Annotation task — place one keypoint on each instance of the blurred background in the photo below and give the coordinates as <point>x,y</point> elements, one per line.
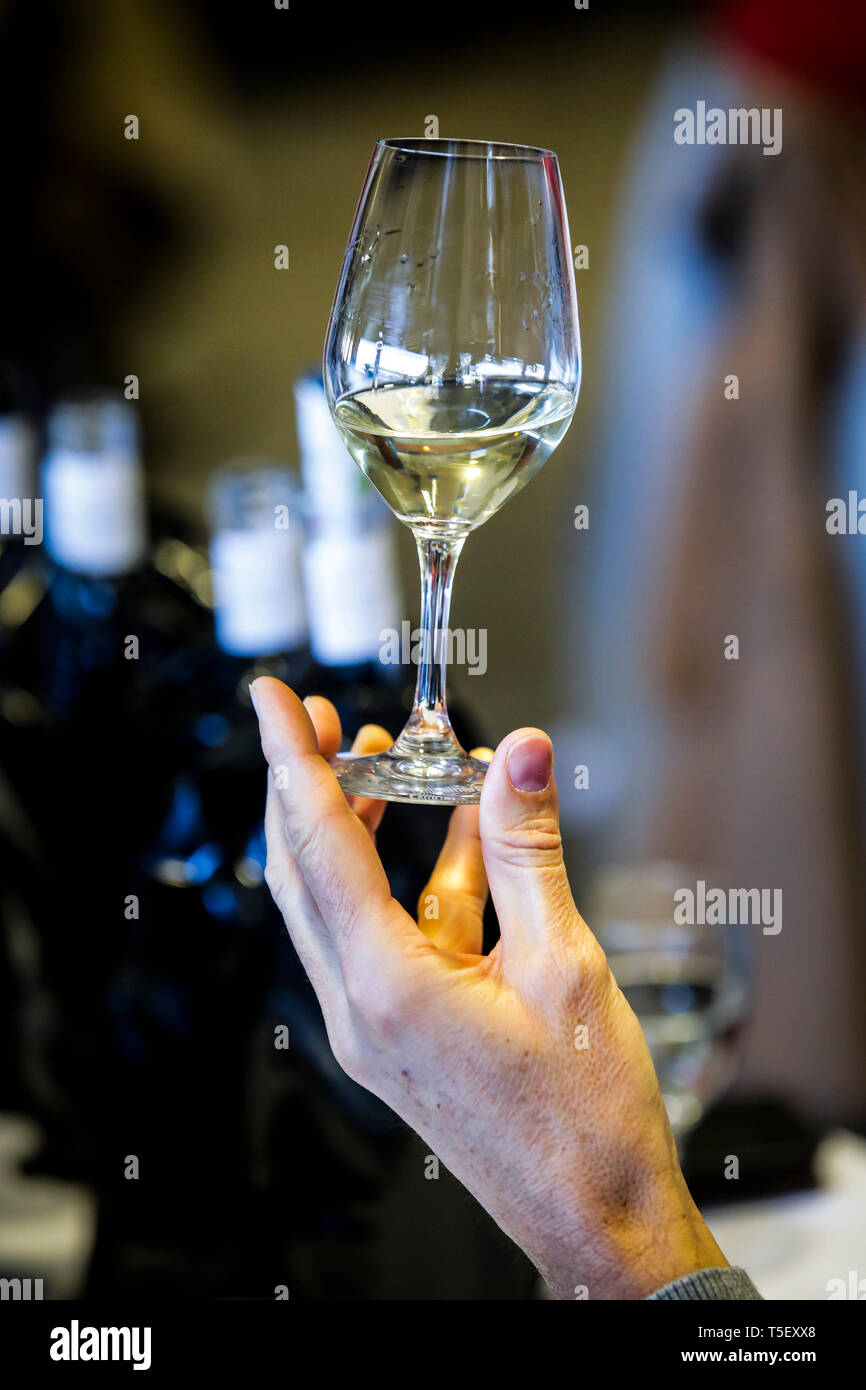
<point>171,1119</point>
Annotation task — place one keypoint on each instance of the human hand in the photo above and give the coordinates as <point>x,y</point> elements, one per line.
<point>525,1070</point>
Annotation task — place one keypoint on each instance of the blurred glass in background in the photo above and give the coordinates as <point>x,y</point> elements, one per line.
<point>687,982</point>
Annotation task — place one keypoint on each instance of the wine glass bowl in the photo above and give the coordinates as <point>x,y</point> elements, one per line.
<point>452,369</point>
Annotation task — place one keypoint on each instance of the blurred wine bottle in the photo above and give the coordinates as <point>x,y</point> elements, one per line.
<point>115,613</point>
<point>86,638</point>
<point>92,621</point>
<point>201,707</point>
<point>201,873</point>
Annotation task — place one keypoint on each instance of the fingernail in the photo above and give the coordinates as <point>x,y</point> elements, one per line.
<point>253,697</point>
<point>529,763</point>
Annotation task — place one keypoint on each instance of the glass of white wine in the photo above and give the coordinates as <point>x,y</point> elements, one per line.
<point>452,369</point>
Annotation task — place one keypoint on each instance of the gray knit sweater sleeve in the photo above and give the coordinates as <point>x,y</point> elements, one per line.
<point>722,1282</point>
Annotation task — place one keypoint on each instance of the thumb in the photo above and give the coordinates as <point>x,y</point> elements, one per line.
<point>521,843</point>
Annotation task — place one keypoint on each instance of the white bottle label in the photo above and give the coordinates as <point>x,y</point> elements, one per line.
<point>353,594</point>
<point>95,511</point>
<point>258,591</point>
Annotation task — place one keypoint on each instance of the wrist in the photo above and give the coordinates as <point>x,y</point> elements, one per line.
<point>675,1242</point>
<point>634,1254</point>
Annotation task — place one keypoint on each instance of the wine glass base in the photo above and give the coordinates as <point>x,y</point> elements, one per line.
<point>453,780</point>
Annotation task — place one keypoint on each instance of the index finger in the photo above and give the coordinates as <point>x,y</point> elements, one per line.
<point>330,845</point>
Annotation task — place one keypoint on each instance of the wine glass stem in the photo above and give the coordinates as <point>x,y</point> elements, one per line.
<point>428,730</point>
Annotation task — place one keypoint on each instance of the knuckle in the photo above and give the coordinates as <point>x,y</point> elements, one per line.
<point>574,976</point>
<point>301,834</point>
<point>307,835</point>
<point>590,960</point>
<point>275,877</point>
<point>535,842</point>
<point>349,1054</point>
<point>375,1010</point>
<point>272,750</point>
<point>598,982</point>
<point>375,1002</point>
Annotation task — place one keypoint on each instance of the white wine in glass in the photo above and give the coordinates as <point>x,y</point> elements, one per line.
<point>452,368</point>
<point>453,454</point>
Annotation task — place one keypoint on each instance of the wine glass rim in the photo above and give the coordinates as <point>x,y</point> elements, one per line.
<point>466,149</point>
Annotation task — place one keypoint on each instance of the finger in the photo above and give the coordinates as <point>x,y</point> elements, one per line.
<point>484,755</point>
<point>451,908</point>
<point>326,722</point>
<point>519,824</point>
<point>303,920</point>
<point>372,738</point>
<point>325,838</point>
<point>305,927</point>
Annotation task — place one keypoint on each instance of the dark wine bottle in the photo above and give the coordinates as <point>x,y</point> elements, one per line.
<point>84,643</point>
<point>201,708</point>
<point>82,663</point>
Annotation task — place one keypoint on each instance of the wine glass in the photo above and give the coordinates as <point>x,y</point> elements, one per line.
<point>688,984</point>
<point>452,370</point>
